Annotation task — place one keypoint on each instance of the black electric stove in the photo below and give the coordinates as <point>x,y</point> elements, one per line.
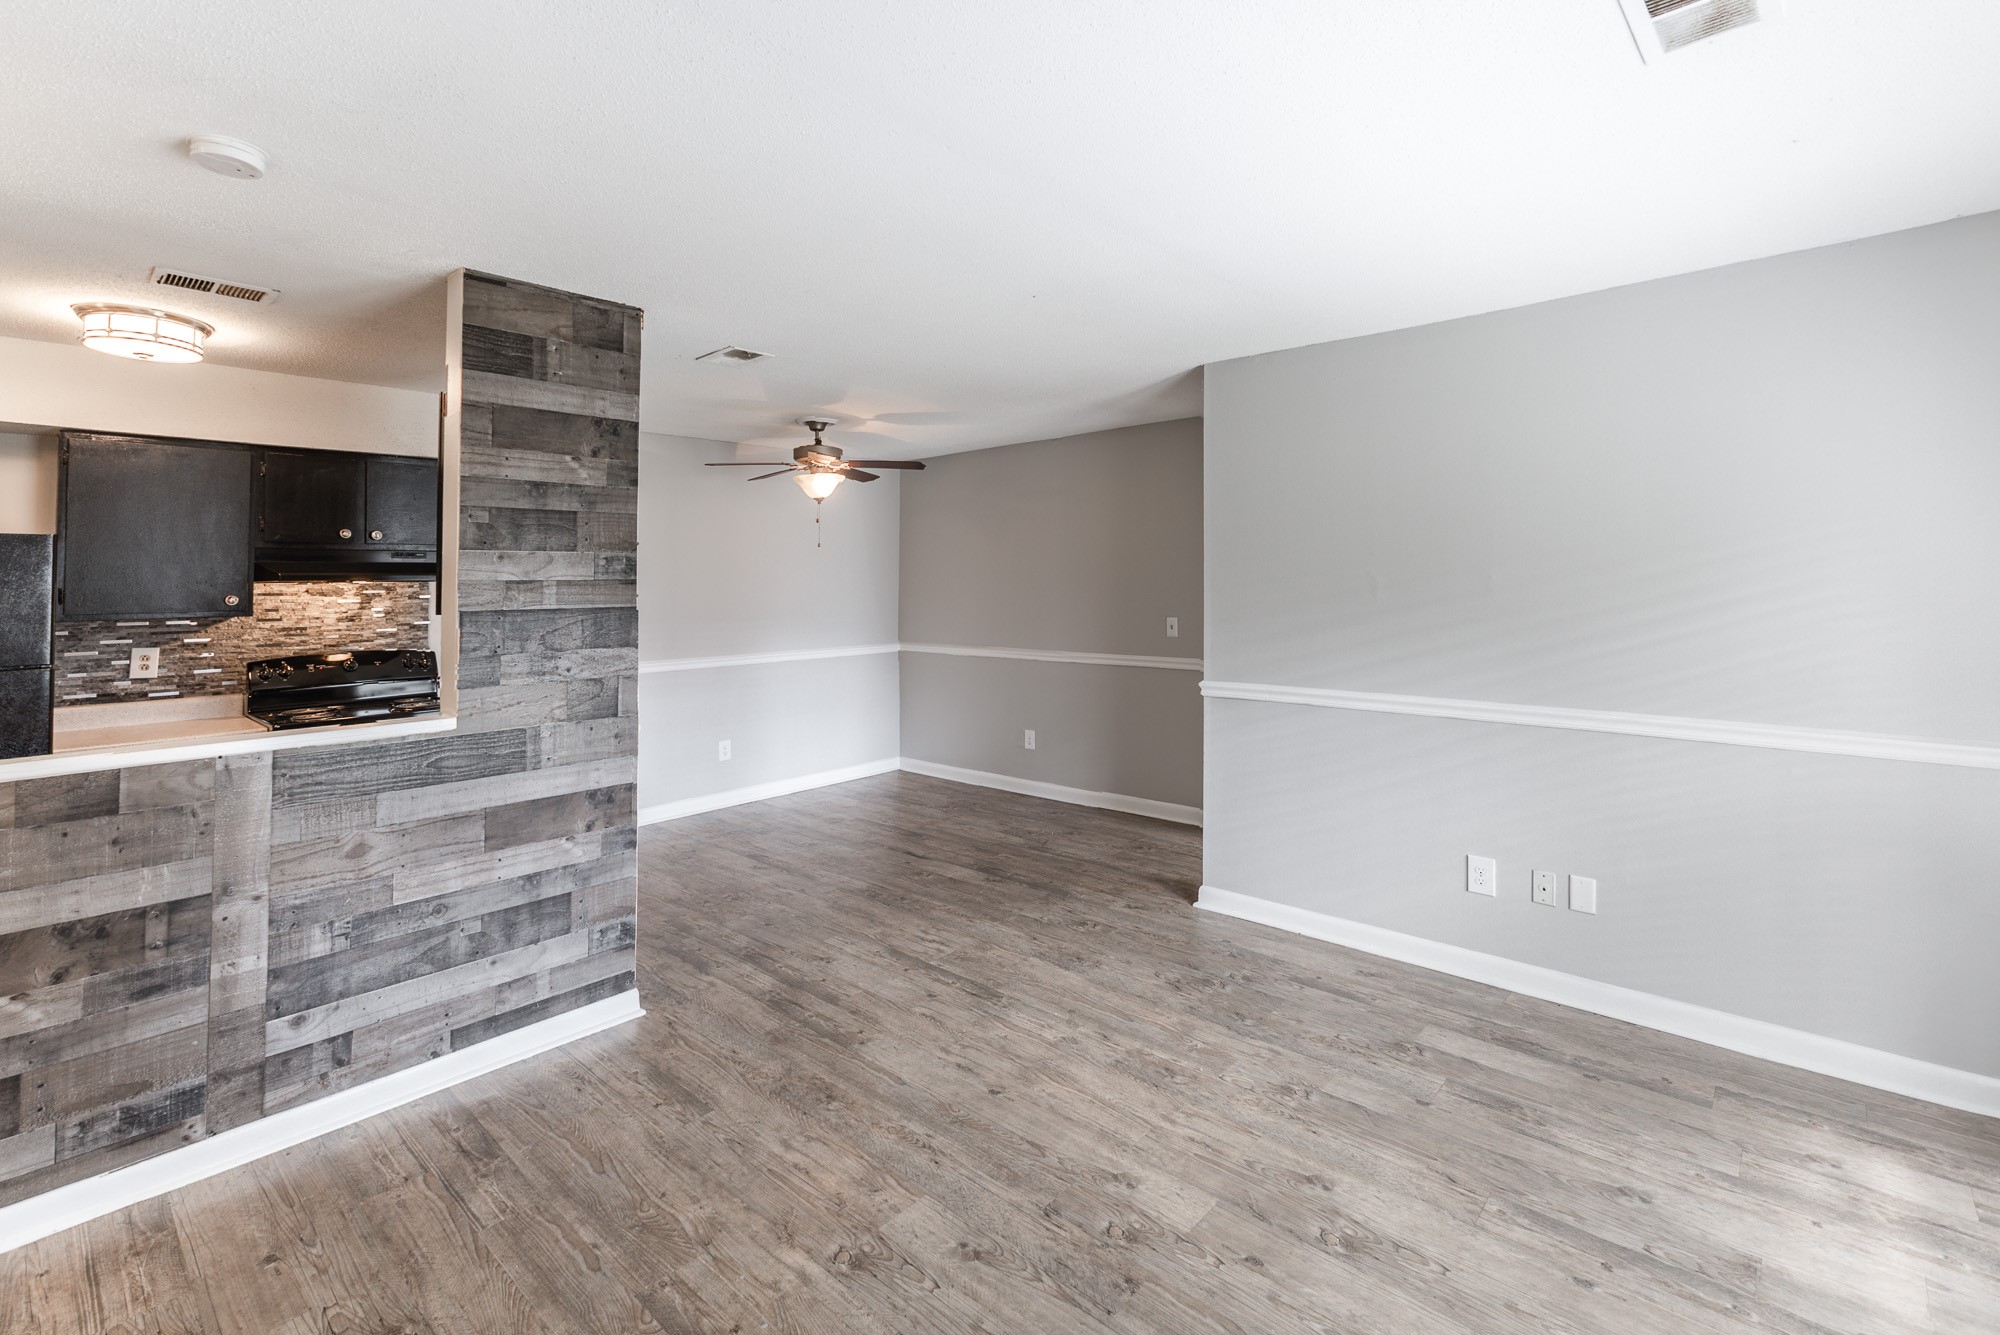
<point>352,686</point>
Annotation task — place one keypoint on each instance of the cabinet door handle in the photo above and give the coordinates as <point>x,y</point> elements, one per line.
<point>347,533</point>
<point>230,600</point>
<point>375,535</point>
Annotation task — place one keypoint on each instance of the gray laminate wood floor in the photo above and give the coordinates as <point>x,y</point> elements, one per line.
<point>923,1057</point>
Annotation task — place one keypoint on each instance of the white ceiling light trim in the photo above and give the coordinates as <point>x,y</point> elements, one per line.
<point>141,332</point>
<point>228,157</point>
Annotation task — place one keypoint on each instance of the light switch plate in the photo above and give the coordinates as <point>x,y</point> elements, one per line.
<point>1545,888</point>
<point>145,664</point>
<point>1173,628</point>
<point>1583,893</point>
<point>1482,875</point>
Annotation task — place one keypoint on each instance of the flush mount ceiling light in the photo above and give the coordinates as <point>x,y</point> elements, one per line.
<point>732,353</point>
<point>141,332</point>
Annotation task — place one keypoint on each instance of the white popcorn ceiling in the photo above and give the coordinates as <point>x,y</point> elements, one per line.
<point>954,224</point>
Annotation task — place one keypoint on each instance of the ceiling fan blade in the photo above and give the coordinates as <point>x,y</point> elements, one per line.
<point>746,463</point>
<point>860,476</point>
<point>780,473</point>
<point>888,463</point>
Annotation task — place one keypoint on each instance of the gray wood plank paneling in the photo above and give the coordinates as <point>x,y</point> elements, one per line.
<point>370,967</point>
<point>349,1013</point>
<point>512,392</point>
<point>89,896</point>
<point>238,964</point>
<point>184,948</point>
<point>309,776</point>
<point>66,797</point>
<point>491,634</point>
<point>500,790</point>
<point>584,501</point>
<point>494,528</point>
<point>537,703</point>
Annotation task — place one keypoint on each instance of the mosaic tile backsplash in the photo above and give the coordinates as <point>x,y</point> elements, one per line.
<point>93,658</point>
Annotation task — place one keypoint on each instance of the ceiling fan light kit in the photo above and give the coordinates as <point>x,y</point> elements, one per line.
<point>820,468</point>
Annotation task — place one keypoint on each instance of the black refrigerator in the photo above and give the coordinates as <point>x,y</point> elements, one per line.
<point>27,682</point>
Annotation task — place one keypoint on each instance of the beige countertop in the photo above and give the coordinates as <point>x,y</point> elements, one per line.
<point>157,732</point>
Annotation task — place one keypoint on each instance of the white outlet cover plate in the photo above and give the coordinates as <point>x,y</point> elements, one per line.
<point>1028,739</point>
<point>1482,875</point>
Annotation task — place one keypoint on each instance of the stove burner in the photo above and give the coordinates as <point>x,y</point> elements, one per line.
<point>345,686</point>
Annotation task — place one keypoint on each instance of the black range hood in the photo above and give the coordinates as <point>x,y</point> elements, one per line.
<point>383,563</point>
<point>329,514</point>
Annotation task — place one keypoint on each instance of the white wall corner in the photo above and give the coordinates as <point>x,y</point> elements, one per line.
<point>1965,1090</point>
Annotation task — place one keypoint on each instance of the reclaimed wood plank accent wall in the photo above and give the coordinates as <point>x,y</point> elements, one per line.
<point>185,948</point>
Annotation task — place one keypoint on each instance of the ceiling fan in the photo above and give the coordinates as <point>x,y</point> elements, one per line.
<point>818,468</point>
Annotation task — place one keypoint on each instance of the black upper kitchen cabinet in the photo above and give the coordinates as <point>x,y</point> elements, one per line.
<point>327,514</point>
<point>310,499</point>
<point>402,502</point>
<point>153,528</point>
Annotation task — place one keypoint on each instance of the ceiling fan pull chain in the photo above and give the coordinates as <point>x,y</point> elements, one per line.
<point>818,539</point>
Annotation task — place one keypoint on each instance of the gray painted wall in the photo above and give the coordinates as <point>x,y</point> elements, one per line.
<point>728,567</point>
<point>1758,493</point>
<point>1132,731</point>
<point>1085,544</point>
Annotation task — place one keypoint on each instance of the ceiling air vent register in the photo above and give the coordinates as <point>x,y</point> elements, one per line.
<point>1662,27</point>
<point>190,282</point>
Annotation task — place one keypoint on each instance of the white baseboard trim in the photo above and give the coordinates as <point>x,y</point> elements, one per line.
<point>1056,792</point>
<point>1834,1057</point>
<point>79,1202</point>
<point>757,792</point>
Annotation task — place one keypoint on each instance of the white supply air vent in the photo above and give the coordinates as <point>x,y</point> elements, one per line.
<point>1661,27</point>
<point>732,354</point>
<point>190,282</point>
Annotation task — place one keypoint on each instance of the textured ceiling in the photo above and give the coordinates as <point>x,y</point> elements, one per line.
<point>953,224</point>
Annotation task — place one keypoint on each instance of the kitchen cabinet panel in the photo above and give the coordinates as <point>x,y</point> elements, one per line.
<point>153,528</point>
<point>402,502</point>
<point>311,499</point>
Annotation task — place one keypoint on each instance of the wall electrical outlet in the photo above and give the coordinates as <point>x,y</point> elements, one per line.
<point>1173,628</point>
<point>1545,888</point>
<point>722,750</point>
<point>1028,739</point>
<point>1482,875</point>
<point>145,663</point>
<point>1583,893</point>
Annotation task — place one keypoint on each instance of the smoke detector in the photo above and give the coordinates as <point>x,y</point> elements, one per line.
<point>161,276</point>
<point>227,157</point>
<point>1662,27</point>
<point>732,354</point>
